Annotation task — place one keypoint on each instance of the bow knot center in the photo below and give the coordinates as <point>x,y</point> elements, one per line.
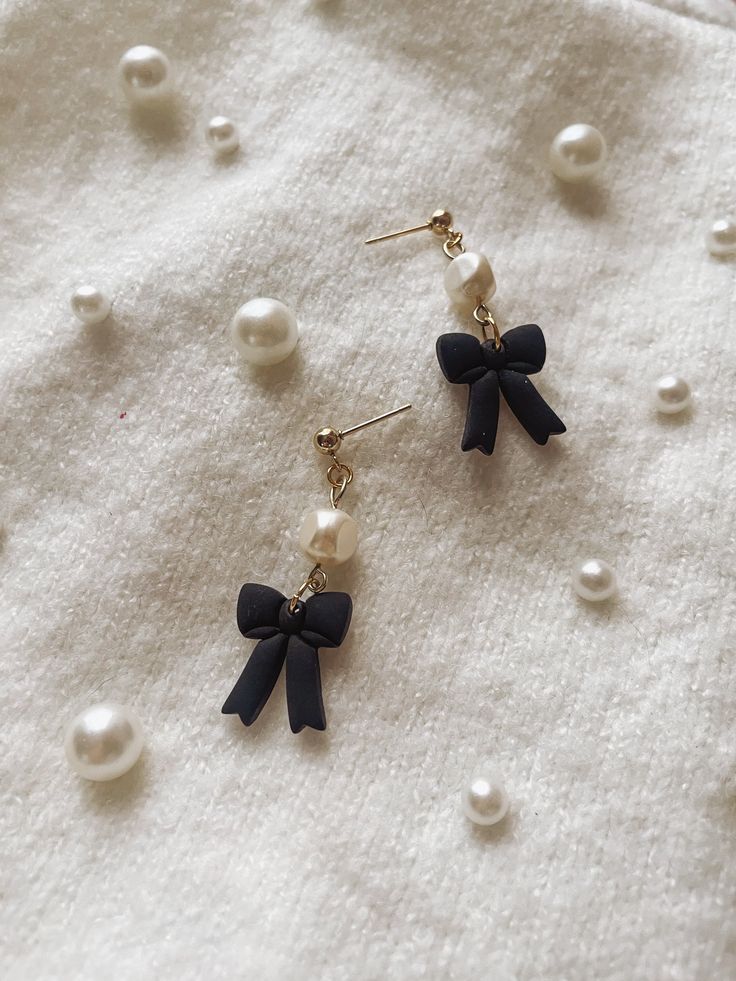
<point>493,359</point>
<point>292,623</point>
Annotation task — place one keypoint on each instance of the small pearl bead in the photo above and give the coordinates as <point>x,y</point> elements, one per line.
<point>484,800</point>
<point>577,153</point>
<point>328,536</point>
<point>103,742</point>
<point>594,580</point>
<point>90,305</point>
<point>721,239</point>
<point>672,394</point>
<point>222,135</point>
<point>145,73</point>
<point>469,279</point>
<point>264,331</point>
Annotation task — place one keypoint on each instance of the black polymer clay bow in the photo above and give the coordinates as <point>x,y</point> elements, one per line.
<point>464,360</point>
<point>263,613</point>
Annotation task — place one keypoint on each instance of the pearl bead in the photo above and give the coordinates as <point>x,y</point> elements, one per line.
<point>264,331</point>
<point>222,135</point>
<point>145,73</point>
<point>90,305</point>
<point>577,153</point>
<point>469,279</point>
<point>721,239</point>
<point>594,580</point>
<point>671,394</point>
<point>484,800</point>
<point>328,536</point>
<point>103,742</point>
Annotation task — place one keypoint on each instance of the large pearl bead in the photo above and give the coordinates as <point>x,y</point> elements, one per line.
<point>145,73</point>
<point>721,239</point>
<point>222,135</point>
<point>469,279</point>
<point>577,153</point>
<point>328,537</point>
<point>104,741</point>
<point>594,580</point>
<point>672,394</point>
<point>264,331</point>
<point>484,800</point>
<point>90,305</point>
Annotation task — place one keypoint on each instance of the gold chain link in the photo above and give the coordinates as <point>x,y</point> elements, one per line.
<point>339,475</point>
<point>453,241</point>
<point>483,316</point>
<point>315,581</point>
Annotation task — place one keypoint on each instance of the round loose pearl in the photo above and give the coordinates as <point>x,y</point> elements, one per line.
<point>222,135</point>
<point>145,73</point>
<point>671,394</point>
<point>469,279</point>
<point>594,580</point>
<point>328,536</point>
<point>264,331</point>
<point>484,800</point>
<point>103,742</point>
<point>577,153</point>
<point>721,238</point>
<point>90,305</point>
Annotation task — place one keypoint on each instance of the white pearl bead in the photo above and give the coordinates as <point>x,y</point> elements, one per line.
<point>145,73</point>
<point>594,580</point>
<point>328,536</point>
<point>222,135</point>
<point>672,394</point>
<point>484,800</point>
<point>104,741</point>
<point>264,331</point>
<point>469,279</point>
<point>721,239</point>
<point>577,153</point>
<point>90,305</point>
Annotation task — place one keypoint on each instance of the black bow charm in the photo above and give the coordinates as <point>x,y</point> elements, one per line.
<point>263,613</point>
<point>464,360</point>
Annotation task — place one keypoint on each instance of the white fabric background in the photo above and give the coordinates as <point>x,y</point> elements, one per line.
<point>254,853</point>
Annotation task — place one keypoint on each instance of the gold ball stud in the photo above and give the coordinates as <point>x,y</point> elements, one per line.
<point>441,222</point>
<point>327,440</point>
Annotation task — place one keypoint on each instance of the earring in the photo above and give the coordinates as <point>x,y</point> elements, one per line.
<point>502,363</point>
<point>292,630</point>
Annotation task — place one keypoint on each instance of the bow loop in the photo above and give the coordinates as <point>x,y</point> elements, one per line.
<point>327,618</point>
<point>461,358</point>
<point>258,610</point>
<point>525,349</point>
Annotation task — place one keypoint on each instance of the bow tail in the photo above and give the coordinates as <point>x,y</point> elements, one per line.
<point>303,686</point>
<point>255,684</point>
<point>481,422</point>
<point>529,407</point>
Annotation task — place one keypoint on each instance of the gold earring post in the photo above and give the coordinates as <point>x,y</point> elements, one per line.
<point>329,439</point>
<point>404,231</point>
<point>440,223</point>
<point>372,422</point>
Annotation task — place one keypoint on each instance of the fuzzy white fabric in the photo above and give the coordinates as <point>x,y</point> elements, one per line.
<point>147,474</point>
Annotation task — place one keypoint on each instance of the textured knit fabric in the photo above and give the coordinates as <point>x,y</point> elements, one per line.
<point>147,473</point>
